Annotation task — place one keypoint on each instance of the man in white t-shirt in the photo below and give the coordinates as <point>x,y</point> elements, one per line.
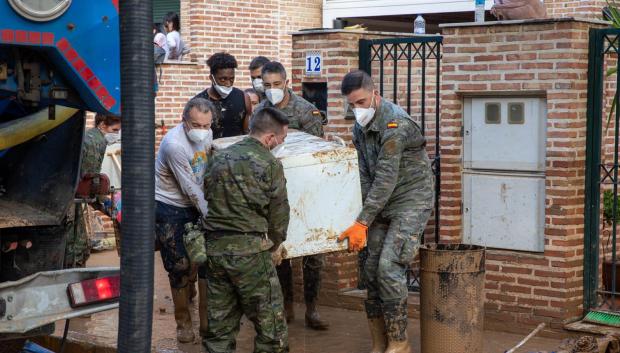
<point>179,174</point>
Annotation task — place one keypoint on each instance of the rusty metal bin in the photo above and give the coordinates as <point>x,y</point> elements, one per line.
<point>451,299</point>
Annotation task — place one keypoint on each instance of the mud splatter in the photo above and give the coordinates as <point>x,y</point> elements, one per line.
<point>452,278</point>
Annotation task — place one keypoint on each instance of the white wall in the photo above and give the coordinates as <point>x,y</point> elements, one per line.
<point>333,9</point>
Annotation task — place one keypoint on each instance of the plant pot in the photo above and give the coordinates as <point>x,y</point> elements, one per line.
<point>607,275</point>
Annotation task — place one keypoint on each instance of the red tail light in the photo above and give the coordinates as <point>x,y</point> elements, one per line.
<point>94,291</point>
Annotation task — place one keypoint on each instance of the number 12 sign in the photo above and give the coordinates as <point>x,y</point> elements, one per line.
<point>314,62</point>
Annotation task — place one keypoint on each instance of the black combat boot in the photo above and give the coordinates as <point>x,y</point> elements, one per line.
<point>313,319</point>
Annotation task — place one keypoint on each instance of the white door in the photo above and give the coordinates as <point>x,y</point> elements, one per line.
<point>504,211</point>
<point>505,134</point>
<point>503,172</point>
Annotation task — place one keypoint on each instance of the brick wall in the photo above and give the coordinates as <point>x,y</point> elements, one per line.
<point>550,58</point>
<point>575,8</point>
<point>245,29</point>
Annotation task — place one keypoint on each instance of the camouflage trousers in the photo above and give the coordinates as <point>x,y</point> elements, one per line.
<point>169,230</point>
<point>392,245</point>
<point>244,285</point>
<point>312,266</point>
<point>77,250</point>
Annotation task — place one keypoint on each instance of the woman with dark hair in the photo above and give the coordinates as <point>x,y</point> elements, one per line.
<point>176,46</point>
<point>232,106</point>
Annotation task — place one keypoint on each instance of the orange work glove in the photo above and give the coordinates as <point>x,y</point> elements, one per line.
<point>357,234</point>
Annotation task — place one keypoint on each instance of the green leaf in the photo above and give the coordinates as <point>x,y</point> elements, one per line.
<point>615,14</point>
<point>608,207</point>
<point>612,110</point>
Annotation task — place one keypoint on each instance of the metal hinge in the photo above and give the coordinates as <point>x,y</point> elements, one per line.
<point>2,307</point>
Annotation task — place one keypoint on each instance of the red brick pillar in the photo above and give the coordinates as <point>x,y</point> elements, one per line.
<point>548,59</point>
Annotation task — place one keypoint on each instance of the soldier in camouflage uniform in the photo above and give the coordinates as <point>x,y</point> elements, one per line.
<point>303,116</point>
<point>93,150</point>
<point>246,224</point>
<point>397,193</point>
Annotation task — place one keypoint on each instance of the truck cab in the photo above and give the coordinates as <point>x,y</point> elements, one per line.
<point>58,60</point>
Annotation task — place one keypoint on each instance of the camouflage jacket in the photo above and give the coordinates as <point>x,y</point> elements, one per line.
<point>248,203</point>
<point>302,115</point>
<point>93,151</point>
<point>395,171</point>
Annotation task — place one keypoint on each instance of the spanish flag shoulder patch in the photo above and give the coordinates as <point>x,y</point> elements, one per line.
<point>392,124</point>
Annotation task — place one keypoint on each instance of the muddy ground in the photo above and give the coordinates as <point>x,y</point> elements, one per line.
<point>348,334</point>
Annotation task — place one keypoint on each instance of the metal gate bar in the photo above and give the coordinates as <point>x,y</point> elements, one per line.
<point>602,42</point>
<point>615,204</point>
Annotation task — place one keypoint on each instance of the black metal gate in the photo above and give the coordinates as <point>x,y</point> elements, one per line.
<point>405,69</point>
<point>601,277</point>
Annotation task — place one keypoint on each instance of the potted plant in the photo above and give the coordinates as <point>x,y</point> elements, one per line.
<point>608,216</point>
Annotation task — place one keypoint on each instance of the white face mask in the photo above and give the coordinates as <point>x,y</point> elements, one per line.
<point>257,83</point>
<point>364,115</point>
<point>112,137</point>
<point>201,136</point>
<point>275,95</point>
<point>278,150</point>
<point>223,91</point>
<point>209,139</point>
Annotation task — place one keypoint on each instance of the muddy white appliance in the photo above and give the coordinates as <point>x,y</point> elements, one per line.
<point>324,191</point>
<point>504,172</point>
<point>111,164</point>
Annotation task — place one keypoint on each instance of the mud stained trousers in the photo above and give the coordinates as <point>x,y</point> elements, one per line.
<point>169,229</point>
<point>312,266</point>
<point>392,245</point>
